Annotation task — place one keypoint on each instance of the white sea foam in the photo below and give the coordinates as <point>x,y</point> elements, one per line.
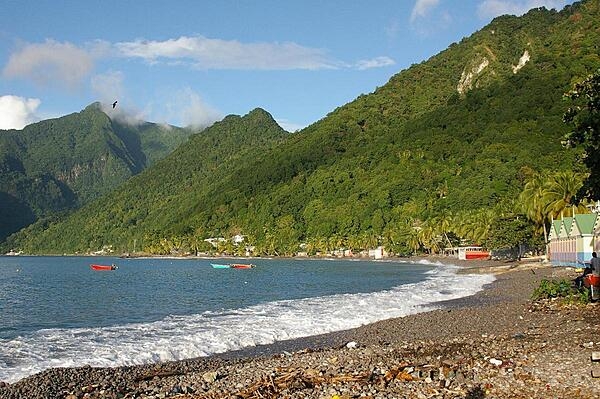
<point>183,337</point>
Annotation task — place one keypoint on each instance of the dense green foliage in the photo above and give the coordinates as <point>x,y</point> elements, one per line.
<point>60,164</point>
<point>435,157</point>
<point>585,118</point>
<point>564,289</point>
<point>143,207</point>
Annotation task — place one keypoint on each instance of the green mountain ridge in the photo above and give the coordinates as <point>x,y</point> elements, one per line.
<point>457,135</point>
<point>59,164</point>
<point>144,202</point>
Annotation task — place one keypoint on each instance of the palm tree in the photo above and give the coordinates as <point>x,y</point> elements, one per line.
<point>548,196</point>
<point>475,225</point>
<point>560,193</point>
<point>429,237</point>
<point>412,239</point>
<point>532,202</point>
<point>442,224</point>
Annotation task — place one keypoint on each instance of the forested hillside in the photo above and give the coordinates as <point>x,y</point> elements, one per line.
<point>59,164</point>
<point>438,154</point>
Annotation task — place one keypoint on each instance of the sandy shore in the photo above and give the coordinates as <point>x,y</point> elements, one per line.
<point>495,344</point>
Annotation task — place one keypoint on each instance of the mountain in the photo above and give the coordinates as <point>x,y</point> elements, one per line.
<point>457,135</point>
<point>145,202</point>
<point>59,164</point>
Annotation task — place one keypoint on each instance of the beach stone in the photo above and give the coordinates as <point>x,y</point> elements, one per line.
<point>496,362</point>
<point>595,356</point>
<point>210,376</point>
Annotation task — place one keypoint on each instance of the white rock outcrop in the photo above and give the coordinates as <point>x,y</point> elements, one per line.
<point>522,61</point>
<point>468,76</point>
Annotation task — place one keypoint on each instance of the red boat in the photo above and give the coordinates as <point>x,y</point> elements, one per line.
<point>103,267</point>
<point>471,253</point>
<point>241,266</point>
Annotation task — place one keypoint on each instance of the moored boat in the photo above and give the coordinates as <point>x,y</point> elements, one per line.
<point>103,267</point>
<point>472,253</point>
<point>219,266</point>
<point>242,265</point>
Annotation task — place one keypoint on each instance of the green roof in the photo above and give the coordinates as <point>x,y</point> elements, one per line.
<point>568,223</point>
<point>555,228</point>
<point>585,223</point>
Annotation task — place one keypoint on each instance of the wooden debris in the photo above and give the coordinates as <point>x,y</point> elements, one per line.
<point>160,374</point>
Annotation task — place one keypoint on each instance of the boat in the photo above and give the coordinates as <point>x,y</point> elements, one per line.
<point>103,267</point>
<point>220,266</point>
<point>242,265</point>
<point>472,253</point>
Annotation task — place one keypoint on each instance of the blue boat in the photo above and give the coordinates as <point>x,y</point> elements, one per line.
<point>220,266</point>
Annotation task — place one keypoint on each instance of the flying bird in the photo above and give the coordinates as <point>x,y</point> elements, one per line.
<point>115,104</point>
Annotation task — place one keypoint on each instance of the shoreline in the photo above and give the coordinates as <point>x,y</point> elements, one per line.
<point>489,293</point>
<point>465,331</point>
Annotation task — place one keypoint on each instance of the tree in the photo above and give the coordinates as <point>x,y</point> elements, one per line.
<point>560,191</point>
<point>532,203</point>
<point>584,116</point>
<point>510,232</point>
<point>550,195</point>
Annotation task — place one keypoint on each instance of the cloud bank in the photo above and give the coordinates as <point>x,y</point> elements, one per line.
<point>17,112</point>
<point>186,108</point>
<point>205,53</point>
<point>50,63</point>
<point>377,62</point>
<point>492,8</point>
<point>108,86</point>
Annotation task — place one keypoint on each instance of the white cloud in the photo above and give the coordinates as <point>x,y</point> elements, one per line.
<point>184,108</point>
<point>108,86</point>
<point>50,63</point>
<point>492,8</point>
<point>197,113</point>
<point>17,112</point>
<point>377,62</point>
<point>208,53</point>
<point>422,8</point>
<point>289,126</point>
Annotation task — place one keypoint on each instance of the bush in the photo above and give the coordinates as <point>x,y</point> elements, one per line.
<point>563,288</point>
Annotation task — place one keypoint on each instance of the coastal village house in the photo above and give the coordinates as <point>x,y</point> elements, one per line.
<point>573,239</point>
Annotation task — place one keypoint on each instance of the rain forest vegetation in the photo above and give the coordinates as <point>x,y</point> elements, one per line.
<point>57,165</point>
<point>438,156</point>
<point>584,117</point>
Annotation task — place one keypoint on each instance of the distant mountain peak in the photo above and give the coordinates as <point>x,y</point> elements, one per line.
<point>260,115</point>
<point>96,105</point>
<point>259,112</point>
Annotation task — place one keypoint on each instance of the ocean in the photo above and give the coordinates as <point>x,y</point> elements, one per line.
<point>57,312</point>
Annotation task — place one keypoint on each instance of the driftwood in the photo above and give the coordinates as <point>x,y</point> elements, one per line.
<point>286,381</point>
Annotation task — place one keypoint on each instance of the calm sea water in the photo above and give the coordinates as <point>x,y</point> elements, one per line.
<point>56,312</point>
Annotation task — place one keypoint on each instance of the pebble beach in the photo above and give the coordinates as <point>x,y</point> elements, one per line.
<point>495,344</point>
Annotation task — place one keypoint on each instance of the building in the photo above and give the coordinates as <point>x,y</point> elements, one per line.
<point>573,239</point>
<point>378,253</point>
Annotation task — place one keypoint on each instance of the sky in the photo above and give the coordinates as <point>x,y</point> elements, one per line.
<point>192,62</point>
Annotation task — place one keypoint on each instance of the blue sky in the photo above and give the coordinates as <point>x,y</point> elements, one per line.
<point>192,62</point>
